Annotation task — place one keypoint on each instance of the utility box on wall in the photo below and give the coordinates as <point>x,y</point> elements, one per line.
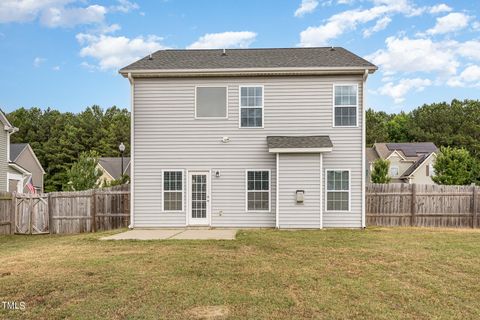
<point>300,196</point>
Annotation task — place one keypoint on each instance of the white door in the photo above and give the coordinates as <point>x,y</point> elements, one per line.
<point>199,198</point>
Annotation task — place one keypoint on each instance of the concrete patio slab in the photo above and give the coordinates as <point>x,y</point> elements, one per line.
<point>180,234</point>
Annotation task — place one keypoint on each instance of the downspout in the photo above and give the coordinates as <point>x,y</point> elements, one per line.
<point>277,196</point>
<point>365,76</point>
<point>132,153</point>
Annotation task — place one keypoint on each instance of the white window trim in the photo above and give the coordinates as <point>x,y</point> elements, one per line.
<point>269,191</point>
<point>183,190</point>
<point>339,84</point>
<point>349,190</point>
<point>226,102</point>
<point>240,105</point>
<point>16,177</point>
<point>390,171</point>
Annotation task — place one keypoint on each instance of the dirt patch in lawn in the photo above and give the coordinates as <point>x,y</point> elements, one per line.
<point>209,312</point>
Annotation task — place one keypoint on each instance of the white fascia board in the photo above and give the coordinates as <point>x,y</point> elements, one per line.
<point>299,150</point>
<point>245,71</point>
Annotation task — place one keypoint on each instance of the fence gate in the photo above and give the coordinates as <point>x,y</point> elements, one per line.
<point>31,214</point>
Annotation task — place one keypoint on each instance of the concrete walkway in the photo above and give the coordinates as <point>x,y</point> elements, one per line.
<point>184,234</point>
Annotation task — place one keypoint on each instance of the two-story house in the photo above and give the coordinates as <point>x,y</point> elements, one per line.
<point>410,162</point>
<point>248,138</point>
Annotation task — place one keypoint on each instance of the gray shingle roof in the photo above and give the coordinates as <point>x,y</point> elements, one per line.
<point>16,149</point>
<point>250,58</point>
<point>296,142</point>
<point>114,166</point>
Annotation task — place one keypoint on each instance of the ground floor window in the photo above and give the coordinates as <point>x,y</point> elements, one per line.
<point>172,190</point>
<point>338,190</point>
<point>258,190</point>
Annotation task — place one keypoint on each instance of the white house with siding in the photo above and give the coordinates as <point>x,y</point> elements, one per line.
<point>248,138</point>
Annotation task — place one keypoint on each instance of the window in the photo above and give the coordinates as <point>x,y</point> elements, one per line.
<point>338,190</point>
<point>430,170</point>
<point>251,107</point>
<point>345,105</point>
<point>173,190</point>
<point>393,171</point>
<point>211,102</point>
<point>258,190</point>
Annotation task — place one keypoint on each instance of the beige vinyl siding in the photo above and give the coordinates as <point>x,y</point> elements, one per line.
<point>27,161</point>
<point>168,137</point>
<point>3,160</point>
<point>299,172</point>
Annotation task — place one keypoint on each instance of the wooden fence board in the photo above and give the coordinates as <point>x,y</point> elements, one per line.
<point>422,205</point>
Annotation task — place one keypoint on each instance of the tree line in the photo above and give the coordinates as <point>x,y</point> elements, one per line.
<point>59,138</point>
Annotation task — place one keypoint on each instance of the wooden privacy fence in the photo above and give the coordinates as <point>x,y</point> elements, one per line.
<point>90,211</point>
<point>65,212</point>
<point>422,205</point>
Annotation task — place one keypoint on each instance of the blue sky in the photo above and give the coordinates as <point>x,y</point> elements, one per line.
<point>65,54</point>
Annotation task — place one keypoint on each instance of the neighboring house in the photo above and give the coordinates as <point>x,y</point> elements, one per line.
<point>248,138</point>
<point>22,155</point>
<point>409,162</point>
<point>111,168</point>
<point>17,162</point>
<point>5,169</point>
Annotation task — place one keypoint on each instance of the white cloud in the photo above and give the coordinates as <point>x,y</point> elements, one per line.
<point>229,39</point>
<point>38,61</point>
<point>56,68</point>
<point>452,22</point>
<point>399,91</point>
<point>124,6</point>
<point>52,13</point>
<point>470,76</point>
<point>63,17</point>
<point>379,26</point>
<point>344,21</point>
<point>115,52</point>
<point>415,55</point>
<point>468,49</point>
<point>307,6</point>
<point>440,8</point>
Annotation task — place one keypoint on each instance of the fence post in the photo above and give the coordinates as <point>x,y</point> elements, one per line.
<point>414,205</point>
<point>50,218</point>
<point>94,211</point>
<point>13,215</point>
<point>474,206</point>
<point>30,208</point>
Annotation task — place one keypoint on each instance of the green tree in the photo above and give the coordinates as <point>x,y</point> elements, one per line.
<point>397,128</point>
<point>380,171</point>
<point>83,174</point>
<point>455,166</point>
<point>376,122</point>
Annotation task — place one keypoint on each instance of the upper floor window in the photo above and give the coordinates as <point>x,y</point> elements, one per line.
<point>211,102</point>
<point>393,171</point>
<point>251,107</point>
<point>345,105</point>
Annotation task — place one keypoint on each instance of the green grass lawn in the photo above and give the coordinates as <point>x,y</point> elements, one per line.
<point>400,273</point>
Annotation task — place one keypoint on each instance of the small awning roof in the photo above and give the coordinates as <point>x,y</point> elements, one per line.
<point>299,144</point>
